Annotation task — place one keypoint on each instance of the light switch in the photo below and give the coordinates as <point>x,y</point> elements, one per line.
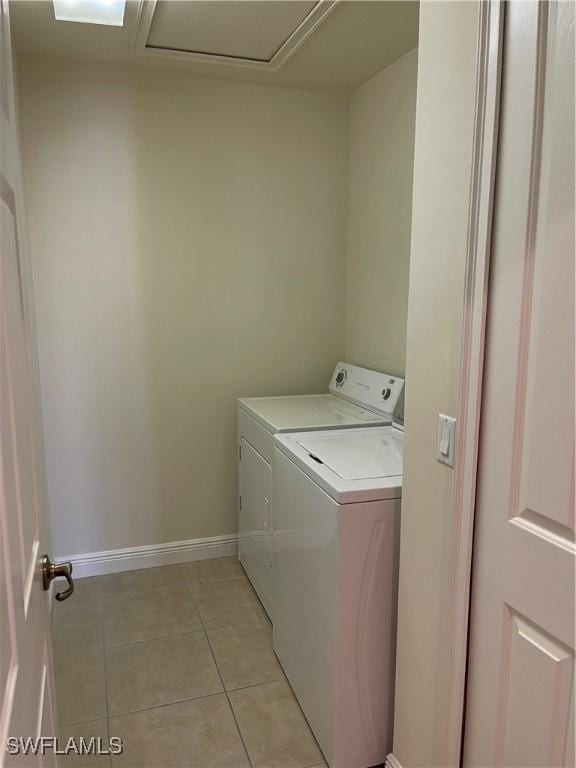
<point>446,439</point>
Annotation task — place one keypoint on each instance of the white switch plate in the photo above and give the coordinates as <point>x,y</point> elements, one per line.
<point>445,440</point>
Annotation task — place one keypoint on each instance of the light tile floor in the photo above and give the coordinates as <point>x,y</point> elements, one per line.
<point>178,662</point>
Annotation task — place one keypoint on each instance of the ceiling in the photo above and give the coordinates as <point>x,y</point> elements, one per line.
<point>248,30</point>
<point>290,43</point>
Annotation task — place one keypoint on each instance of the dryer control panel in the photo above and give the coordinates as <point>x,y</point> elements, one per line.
<point>377,391</point>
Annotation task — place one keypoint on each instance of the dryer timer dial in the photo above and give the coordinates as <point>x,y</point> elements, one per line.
<point>341,377</point>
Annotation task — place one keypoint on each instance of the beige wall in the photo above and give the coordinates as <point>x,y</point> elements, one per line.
<point>382,118</point>
<point>188,244</point>
<point>442,164</point>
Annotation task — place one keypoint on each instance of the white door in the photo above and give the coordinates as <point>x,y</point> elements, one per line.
<point>255,535</point>
<point>26,693</point>
<point>520,697</point>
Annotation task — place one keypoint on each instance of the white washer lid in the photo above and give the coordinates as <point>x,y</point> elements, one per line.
<point>361,464</point>
<point>358,455</point>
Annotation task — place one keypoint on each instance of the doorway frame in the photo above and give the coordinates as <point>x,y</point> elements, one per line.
<point>451,685</point>
<point>474,320</point>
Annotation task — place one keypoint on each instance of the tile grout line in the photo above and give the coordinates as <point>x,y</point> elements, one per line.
<point>240,734</point>
<point>162,706</point>
<point>283,679</point>
<point>257,685</point>
<point>173,634</point>
<point>105,679</point>
<point>102,650</point>
<point>102,600</point>
<point>182,701</point>
<point>201,628</point>
<point>153,638</point>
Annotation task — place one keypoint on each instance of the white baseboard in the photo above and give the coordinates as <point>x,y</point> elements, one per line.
<point>392,761</point>
<point>170,553</point>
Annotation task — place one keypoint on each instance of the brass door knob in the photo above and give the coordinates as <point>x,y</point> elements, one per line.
<point>51,571</point>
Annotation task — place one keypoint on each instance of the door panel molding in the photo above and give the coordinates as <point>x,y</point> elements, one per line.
<point>555,662</point>
<point>549,530</point>
<point>541,320</point>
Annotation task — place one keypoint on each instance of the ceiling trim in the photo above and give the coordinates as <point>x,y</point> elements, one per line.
<point>145,16</point>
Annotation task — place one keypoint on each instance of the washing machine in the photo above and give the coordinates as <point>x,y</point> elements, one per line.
<point>356,397</point>
<point>337,500</point>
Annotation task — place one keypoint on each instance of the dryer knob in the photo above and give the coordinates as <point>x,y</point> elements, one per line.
<point>386,393</point>
<point>340,378</point>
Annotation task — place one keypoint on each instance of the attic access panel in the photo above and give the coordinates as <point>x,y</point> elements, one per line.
<point>255,33</point>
